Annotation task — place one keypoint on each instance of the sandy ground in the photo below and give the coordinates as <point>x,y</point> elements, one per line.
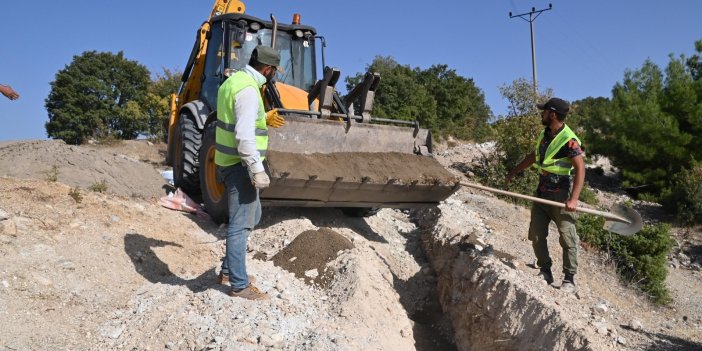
<point>116,271</point>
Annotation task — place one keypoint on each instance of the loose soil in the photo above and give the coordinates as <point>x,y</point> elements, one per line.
<point>309,253</point>
<point>363,166</point>
<point>116,271</point>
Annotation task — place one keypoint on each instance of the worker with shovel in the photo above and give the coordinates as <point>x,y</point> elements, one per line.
<point>557,153</point>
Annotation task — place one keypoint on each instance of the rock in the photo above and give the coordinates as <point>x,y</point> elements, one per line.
<point>621,340</point>
<point>600,327</point>
<point>312,273</point>
<point>8,228</point>
<point>3,215</point>
<point>635,325</point>
<point>43,281</point>
<point>112,332</point>
<point>266,341</point>
<point>600,308</point>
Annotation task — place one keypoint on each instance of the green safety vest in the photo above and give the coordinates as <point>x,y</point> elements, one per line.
<point>226,152</point>
<point>561,166</point>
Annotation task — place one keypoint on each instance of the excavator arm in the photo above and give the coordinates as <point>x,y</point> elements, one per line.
<point>222,7</point>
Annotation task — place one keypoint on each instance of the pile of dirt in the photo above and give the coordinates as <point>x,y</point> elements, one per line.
<point>308,255</point>
<point>117,169</point>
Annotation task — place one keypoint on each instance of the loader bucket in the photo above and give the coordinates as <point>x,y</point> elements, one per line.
<point>328,163</point>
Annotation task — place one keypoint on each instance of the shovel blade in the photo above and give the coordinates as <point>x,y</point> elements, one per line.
<point>635,222</point>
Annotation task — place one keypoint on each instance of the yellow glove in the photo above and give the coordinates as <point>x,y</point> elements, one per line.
<point>273,119</point>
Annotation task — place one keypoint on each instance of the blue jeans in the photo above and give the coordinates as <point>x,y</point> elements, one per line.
<point>244,214</point>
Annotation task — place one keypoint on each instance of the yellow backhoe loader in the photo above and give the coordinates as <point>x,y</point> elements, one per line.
<point>326,155</point>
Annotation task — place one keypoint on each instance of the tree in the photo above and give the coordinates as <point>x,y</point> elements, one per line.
<point>695,62</point>
<point>589,117</point>
<point>460,105</point>
<point>157,103</point>
<point>99,94</point>
<point>515,136</point>
<point>399,95</point>
<point>644,137</point>
<point>438,98</point>
<point>517,133</point>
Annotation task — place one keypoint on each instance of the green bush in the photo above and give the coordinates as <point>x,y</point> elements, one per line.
<point>52,174</point>
<point>75,194</point>
<point>588,196</point>
<point>99,187</point>
<point>640,259</point>
<point>684,198</point>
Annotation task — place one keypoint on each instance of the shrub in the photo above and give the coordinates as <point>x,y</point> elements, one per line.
<point>99,187</point>
<point>588,196</point>
<point>52,174</point>
<point>75,194</point>
<point>640,258</point>
<point>684,198</point>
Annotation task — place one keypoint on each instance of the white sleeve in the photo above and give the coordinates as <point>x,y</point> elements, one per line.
<point>246,107</point>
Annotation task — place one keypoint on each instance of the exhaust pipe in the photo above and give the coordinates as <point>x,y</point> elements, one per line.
<point>275,30</point>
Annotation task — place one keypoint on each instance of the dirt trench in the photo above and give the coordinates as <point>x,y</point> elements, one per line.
<point>484,294</point>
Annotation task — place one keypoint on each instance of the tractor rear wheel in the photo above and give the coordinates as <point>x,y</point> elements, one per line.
<point>185,157</point>
<point>214,193</point>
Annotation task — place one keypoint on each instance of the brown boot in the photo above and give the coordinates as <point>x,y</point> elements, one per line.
<point>250,292</point>
<point>223,279</point>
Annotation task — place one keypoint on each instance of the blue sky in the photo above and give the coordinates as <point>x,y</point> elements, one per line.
<point>582,47</point>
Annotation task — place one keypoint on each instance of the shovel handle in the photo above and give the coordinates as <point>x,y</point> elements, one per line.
<point>547,202</point>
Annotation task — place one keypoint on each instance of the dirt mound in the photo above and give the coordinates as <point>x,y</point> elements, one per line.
<point>308,255</point>
<point>122,173</point>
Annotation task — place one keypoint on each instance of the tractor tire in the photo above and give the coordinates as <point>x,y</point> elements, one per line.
<point>359,211</point>
<point>185,158</point>
<point>214,193</point>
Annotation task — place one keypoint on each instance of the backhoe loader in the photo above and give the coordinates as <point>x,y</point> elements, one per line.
<point>326,154</point>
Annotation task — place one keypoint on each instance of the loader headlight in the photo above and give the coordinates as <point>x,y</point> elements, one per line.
<point>298,34</point>
<point>255,26</point>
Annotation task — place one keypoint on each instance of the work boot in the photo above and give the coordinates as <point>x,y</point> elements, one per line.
<point>223,279</point>
<point>568,284</point>
<point>250,292</point>
<point>547,275</point>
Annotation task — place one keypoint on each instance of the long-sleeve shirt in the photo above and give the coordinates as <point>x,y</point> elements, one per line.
<point>246,108</point>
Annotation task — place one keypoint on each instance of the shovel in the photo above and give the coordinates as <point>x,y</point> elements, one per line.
<point>626,221</point>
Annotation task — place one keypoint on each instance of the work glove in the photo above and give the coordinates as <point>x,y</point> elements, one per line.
<point>273,119</point>
<point>260,180</point>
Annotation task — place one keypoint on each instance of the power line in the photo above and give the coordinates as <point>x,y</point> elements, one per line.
<point>533,14</point>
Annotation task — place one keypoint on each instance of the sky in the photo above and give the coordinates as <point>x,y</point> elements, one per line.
<point>583,47</point>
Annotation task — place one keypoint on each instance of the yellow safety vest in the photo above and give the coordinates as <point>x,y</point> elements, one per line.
<point>561,166</point>
<point>226,152</point>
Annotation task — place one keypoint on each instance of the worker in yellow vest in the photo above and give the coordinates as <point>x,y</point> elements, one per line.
<point>557,153</point>
<point>241,145</point>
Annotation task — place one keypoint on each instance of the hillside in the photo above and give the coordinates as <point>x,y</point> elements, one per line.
<point>114,270</point>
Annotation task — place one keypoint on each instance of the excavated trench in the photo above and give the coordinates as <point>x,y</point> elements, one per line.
<point>482,293</point>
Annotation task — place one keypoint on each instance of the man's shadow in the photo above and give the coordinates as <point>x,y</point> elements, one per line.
<point>140,250</point>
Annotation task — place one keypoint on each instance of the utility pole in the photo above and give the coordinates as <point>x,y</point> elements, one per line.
<point>533,14</point>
